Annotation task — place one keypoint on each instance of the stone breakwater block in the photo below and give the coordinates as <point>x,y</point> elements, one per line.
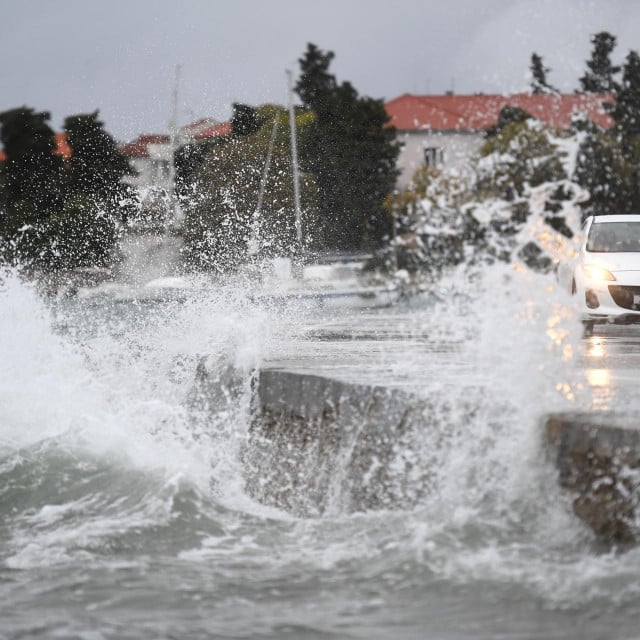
<point>319,445</point>
<point>598,458</point>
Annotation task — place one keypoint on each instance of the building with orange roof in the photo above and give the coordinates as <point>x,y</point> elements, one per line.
<point>217,130</point>
<point>139,148</point>
<point>150,155</point>
<point>446,130</point>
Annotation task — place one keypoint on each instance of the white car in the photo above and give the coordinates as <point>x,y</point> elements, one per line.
<point>606,273</point>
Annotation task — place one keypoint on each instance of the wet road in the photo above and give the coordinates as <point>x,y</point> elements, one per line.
<point>611,362</point>
<point>407,349</point>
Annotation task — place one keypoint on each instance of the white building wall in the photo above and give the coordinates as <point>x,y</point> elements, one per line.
<point>456,150</point>
<point>152,171</point>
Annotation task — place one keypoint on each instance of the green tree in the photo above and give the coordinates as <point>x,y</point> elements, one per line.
<point>57,216</point>
<point>96,166</point>
<point>22,235</point>
<point>221,220</point>
<point>32,173</point>
<point>84,231</point>
<point>351,151</point>
<point>32,181</point>
<point>315,85</point>
<point>600,75</point>
<point>81,234</point>
<point>506,116</point>
<point>245,120</point>
<point>607,173</point>
<point>539,73</point>
<point>626,110</point>
<point>609,161</point>
<point>521,155</point>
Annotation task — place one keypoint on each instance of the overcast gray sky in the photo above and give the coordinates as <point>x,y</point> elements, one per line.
<point>119,56</point>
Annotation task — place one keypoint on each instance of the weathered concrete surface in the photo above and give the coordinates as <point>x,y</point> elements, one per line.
<point>598,458</point>
<point>318,445</point>
<point>326,436</point>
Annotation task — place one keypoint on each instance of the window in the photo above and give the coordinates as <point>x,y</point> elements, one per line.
<point>614,237</point>
<point>433,156</point>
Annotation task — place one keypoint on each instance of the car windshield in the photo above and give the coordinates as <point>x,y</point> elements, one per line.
<point>614,237</point>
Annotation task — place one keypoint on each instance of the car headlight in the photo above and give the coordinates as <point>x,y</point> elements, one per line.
<point>595,272</point>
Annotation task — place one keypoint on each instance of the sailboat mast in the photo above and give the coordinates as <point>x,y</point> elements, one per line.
<point>173,143</point>
<point>294,163</point>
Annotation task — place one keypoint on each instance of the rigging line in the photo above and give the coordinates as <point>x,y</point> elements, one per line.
<point>255,223</point>
<point>265,171</point>
<point>294,162</point>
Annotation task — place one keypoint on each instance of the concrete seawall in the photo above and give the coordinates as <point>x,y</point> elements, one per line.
<point>326,444</point>
<point>598,458</point>
<point>319,445</point>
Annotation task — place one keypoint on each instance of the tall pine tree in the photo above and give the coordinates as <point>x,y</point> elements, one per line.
<point>316,84</point>
<point>539,73</point>
<point>626,110</point>
<point>609,161</point>
<point>351,151</point>
<point>610,179</point>
<point>600,76</point>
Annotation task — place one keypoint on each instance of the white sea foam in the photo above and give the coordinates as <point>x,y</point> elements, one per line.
<point>111,384</point>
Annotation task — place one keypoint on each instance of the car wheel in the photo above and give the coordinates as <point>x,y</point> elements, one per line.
<point>574,289</point>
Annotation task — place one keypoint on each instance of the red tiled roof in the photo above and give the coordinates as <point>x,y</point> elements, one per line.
<point>220,130</point>
<point>199,125</point>
<point>480,112</point>
<point>138,148</point>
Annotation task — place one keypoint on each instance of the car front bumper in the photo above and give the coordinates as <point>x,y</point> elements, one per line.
<point>612,301</point>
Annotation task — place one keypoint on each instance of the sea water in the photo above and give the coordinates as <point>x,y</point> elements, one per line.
<point>123,510</point>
